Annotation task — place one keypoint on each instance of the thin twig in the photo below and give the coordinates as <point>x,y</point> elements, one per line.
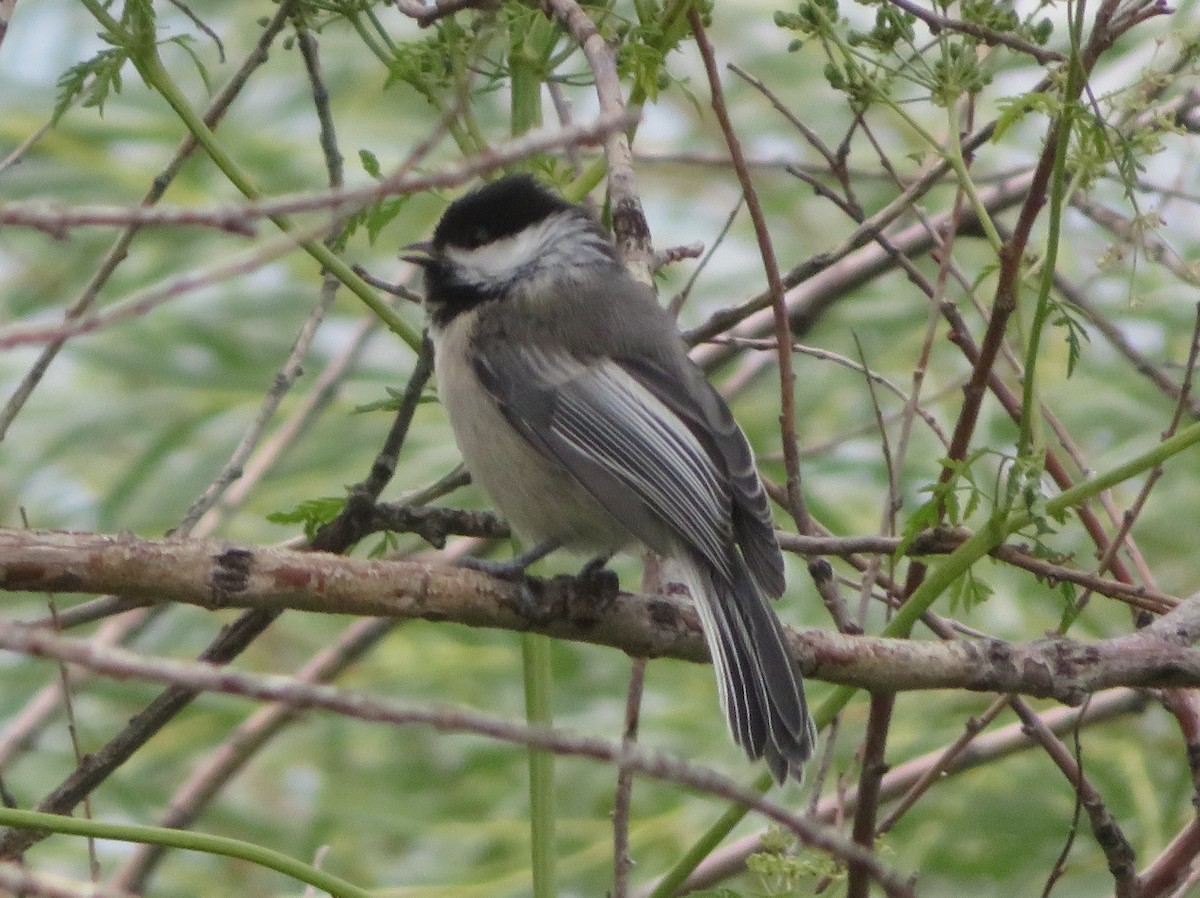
<point>943,540</point>
<point>986,35</point>
<point>18,152</point>
<point>345,530</point>
<point>941,765</point>
<point>622,861</point>
<point>195,678</point>
<point>985,749</point>
<point>1108,833</point>
<point>562,109</point>
<point>892,503</point>
<point>680,299</point>
<point>281,384</point>
<point>120,248</point>
<point>316,400</point>
<point>73,731</point>
<point>330,152</point>
<point>879,720</point>
<point>427,14</point>
<point>783,334</point>
<point>794,120</point>
<point>827,355</point>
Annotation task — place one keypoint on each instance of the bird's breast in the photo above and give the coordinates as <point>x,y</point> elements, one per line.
<point>536,495</point>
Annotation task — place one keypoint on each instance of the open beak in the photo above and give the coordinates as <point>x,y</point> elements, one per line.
<point>419,253</point>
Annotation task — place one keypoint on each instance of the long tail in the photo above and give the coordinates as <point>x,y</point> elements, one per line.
<point>761,691</point>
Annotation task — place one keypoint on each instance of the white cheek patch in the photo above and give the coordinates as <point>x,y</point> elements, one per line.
<point>560,240</point>
<point>501,259</point>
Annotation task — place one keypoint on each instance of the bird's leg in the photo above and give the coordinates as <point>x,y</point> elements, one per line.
<point>594,566</point>
<point>595,578</point>
<point>513,567</point>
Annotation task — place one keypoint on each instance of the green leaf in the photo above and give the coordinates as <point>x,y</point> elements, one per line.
<point>1076,334</point>
<point>184,42</point>
<point>387,544</point>
<point>90,82</point>
<point>370,163</point>
<point>967,592</point>
<point>311,513</point>
<point>392,403</point>
<point>1071,609</point>
<point>944,501</point>
<point>1014,109</point>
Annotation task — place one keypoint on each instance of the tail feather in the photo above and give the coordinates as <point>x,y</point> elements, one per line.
<point>760,689</point>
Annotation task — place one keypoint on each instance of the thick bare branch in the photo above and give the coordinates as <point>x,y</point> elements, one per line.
<point>224,575</point>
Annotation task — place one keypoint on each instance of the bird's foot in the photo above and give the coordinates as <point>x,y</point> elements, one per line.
<point>596,580</point>
<point>528,605</point>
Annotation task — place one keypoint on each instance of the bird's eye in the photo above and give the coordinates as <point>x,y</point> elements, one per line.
<point>478,237</point>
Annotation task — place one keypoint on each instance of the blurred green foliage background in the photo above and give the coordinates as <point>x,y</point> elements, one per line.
<point>131,424</point>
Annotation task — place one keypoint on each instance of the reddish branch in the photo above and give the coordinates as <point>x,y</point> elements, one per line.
<point>1108,26</point>
<point>937,766</point>
<point>874,766</point>
<point>783,332</point>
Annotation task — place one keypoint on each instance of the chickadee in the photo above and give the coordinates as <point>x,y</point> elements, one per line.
<point>576,408</point>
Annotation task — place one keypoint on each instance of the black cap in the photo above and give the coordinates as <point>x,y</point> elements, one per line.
<point>497,210</point>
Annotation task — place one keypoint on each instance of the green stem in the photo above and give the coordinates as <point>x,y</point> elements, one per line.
<point>150,67</point>
<point>986,538</point>
<point>1058,194</point>
<point>954,157</point>
<point>158,78</point>
<point>525,86</point>
<point>535,651</point>
<point>366,36</point>
<point>952,154</point>
<point>190,841</point>
<point>592,175</point>
<point>705,845</point>
<point>1081,492</point>
<point>998,528</point>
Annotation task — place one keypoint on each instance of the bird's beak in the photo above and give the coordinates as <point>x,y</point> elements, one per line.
<point>419,253</point>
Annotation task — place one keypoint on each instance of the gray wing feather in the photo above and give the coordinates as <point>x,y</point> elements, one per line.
<point>686,392</point>
<point>626,448</point>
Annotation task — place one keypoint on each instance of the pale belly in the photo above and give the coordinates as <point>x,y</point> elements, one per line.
<point>539,499</point>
